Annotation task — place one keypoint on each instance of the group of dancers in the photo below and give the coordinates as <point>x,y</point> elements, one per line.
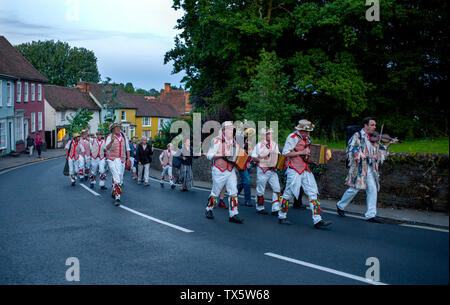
<point>87,157</point>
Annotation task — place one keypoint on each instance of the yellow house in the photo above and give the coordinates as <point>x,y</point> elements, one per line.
<point>127,116</point>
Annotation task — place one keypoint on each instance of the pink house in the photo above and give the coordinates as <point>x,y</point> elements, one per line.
<point>28,94</point>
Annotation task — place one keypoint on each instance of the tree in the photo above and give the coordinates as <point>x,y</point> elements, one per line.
<point>61,64</point>
<point>109,105</point>
<point>79,121</point>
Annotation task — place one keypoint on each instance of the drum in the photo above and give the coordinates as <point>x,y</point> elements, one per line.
<point>281,161</point>
<point>318,154</point>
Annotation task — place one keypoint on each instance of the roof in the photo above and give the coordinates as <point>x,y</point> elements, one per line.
<point>15,64</point>
<point>176,98</point>
<point>122,97</point>
<point>62,98</point>
<point>146,108</point>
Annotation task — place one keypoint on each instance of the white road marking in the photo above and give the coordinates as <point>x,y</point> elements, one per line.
<point>156,220</point>
<point>95,193</point>
<point>340,273</point>
<point>423,227</point>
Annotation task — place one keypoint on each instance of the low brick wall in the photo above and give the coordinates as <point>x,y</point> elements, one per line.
<point>418,181</point>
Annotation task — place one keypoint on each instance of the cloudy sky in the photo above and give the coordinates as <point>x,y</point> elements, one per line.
<point>128,37</point>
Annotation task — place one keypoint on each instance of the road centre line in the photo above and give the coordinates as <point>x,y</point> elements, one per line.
<point>156,220</point>
<point>325,269</point>
<point>88,189</point>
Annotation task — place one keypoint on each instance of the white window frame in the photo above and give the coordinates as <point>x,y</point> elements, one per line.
<point>9,94</point>
<point>33,121</point>
<point>123,115</point>
<point>149,121</point>
<point>3,134</point>
<point>25,97</point>
<point>39,121</point>
<point>147,133</point>
<point>19,92</point>
<point>63,116</point>
<point>33,92</point>
<point>39,92</point>
<point>19,128</point>
<point>1,93</point>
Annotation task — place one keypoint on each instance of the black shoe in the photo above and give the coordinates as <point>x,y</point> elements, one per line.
<point>236,219</point>
<point>284,221</point>
<point>248,204</point>
<point>340,212</point>
<point>73,183</point>
<point>117,202</point>
<point>322,224</point>
<point>92,185</point>
<point>275,213</point>
<point>86,178</point>
<point>103,187</point>
<point>263,212</point>
<point>162,184</point>
<point>375,220</point>
<point>172,186</point>
<point>209,214</point>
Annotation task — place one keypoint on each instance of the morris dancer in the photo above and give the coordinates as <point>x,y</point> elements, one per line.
<point>265,154</point>
<point>85,162</point>
<point>223,172</point>
<point>364,158</point>
<point>98,148</point>
<point>299,175</point>
<point>166,158</point>
<point>74,152</point>
<point>117,152</point>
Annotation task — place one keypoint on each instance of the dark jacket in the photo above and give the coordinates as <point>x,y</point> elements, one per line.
<point>188,157</point>
<point>30,141</point>
<point>144,156</point>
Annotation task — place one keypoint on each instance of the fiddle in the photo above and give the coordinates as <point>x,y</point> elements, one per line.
<point>385,138</point>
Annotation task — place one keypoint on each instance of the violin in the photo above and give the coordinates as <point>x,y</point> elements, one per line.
<point>385,138</point>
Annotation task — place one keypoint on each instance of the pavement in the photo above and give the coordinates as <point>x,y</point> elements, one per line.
<point>161,236</point>
<point>406,216</point>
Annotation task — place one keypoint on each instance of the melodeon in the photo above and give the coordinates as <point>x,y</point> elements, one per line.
<point>318,154</point>
<point>281,161</point>
<point>239,158</point>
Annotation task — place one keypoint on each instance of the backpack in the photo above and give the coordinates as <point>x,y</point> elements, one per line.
<point>350,131</point>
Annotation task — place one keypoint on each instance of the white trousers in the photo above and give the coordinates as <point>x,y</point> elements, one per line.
<point>117,169</point>
<point>261,182</point>
<point>31,150</point>
<point>133,168</point>
<point>98,164</point>
<point>229,180</point>
<point>371,195</point>
<point>167,170</point>
<point>294,182</point>
<point>73,169</point>
<point>82,166</point>
<point>146,169</point>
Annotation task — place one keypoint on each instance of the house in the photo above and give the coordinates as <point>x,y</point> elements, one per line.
<point>27,85</point>
<point>152,115</point>
<point>60,104</point>
<point>7,121</point>
<point>179,99</point>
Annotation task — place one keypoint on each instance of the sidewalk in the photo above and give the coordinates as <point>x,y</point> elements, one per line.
<point>8,162</point>
<point>407,216</point>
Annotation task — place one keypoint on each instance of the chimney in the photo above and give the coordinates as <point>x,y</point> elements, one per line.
<point>83,86</point>
<point>167,87</point>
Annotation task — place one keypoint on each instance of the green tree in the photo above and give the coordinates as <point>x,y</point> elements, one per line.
<point>79,121</point>
<point>61,64</point>
<point>109,105</point>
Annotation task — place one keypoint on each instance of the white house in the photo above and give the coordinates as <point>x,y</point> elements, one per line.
<point>60,104</point>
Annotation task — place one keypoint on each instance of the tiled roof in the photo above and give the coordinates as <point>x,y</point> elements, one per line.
<point>98,91</point>
<point>146,108</point>
<point>62,98</point>
<point>176,98</point>
<point>14,64</point>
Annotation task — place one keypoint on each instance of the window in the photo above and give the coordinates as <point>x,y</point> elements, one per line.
<point>162,123</point>
<point>19,91</point>
<point>33,122</point>
<point>123,115</point>
<point>39,121</point>
<point>63,116</point>
<point>146,133</point>
<point>39,92</point>
<point>19,129</point>
<point>33,93</point>
<point>1,93</point>
<point>9,94</point>
<point>3,140</point>
<point>25,98</point>
<point>146,122</point>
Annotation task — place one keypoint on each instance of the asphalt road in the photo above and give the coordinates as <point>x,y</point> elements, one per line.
<point>44,221</point>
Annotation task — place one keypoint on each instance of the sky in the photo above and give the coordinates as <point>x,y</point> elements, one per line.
<point>129,38</point>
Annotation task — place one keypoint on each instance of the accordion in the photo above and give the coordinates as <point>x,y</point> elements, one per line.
<point>319,154</point>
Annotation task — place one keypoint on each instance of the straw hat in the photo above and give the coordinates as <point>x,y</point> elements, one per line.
<point>305,125</point>
<point>75,134</point>
<point>114,125</point>
<point>249,131</point>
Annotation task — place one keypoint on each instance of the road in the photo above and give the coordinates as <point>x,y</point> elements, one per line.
<point>161,236</point>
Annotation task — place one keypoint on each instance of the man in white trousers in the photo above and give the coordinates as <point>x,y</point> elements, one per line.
<point>364,157</point>
<point>117,153</point>
<point>98,155</point>
<point>223,172</point>
<point>265,154</point>
<point>166,158</point>
<point>74,151</point>
<point>297,149</point>
<point>85,162</point>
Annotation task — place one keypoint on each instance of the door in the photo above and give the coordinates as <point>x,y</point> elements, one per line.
<point>25,129</point>
<point>11,137</point>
